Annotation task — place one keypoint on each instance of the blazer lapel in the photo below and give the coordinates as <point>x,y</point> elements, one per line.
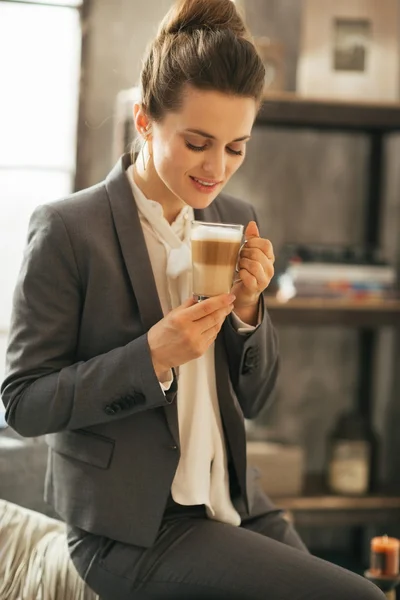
<point>137,260</point>
<point>209,214</point>
<point>133,244</point>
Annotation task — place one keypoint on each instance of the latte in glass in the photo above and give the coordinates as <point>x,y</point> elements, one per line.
<point>215,252</point>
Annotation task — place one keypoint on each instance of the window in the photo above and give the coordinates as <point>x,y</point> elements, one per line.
<point>40,68</point>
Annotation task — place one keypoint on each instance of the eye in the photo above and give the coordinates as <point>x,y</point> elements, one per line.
<point>202,148</point>
<point>235,152</point>
<point>195,148</point>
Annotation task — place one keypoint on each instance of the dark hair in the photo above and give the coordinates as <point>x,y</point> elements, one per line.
<point>204,43</point>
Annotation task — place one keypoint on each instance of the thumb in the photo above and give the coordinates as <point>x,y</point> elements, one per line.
<point>251,230</point>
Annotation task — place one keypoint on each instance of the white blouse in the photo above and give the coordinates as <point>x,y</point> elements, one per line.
<point>202,473</point>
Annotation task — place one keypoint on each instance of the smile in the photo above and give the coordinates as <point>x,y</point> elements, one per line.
<point>204,186</point>
<point>204,182</point>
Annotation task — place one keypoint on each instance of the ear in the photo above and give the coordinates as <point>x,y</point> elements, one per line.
<point>142,122</point>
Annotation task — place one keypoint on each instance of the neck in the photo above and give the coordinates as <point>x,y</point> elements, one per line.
<point>148,180</point>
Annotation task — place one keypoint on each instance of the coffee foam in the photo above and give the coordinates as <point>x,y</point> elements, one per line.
<point>204,234</point>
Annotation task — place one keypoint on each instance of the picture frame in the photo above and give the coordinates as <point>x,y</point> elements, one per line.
<point>349,50</point>
<point>273,57</point>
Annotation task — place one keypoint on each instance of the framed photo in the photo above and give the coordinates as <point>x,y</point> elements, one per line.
<point>350,49</point>
<point>272,55</point>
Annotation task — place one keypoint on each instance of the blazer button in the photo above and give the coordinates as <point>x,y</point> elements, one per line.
<point>250,353</point>
<point>174,447</point>
<point>109,410</point>
<point>124,403</point>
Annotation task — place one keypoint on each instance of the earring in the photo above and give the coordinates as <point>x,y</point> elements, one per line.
<point>145,163</point>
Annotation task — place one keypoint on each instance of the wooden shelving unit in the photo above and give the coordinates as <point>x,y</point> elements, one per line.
<point>320,311</point>
<point>290,110</point>
<point>316,507</point>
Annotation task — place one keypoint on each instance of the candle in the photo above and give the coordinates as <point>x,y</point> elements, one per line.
<point>385,556</point>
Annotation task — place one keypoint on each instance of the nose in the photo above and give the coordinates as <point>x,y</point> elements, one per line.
<point>215,165</point>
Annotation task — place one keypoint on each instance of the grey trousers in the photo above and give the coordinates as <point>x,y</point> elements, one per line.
<point>196,558</point>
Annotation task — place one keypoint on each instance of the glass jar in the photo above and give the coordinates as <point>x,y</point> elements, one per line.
<point>351,456</point>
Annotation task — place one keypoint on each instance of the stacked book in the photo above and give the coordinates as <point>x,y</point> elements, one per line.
<point>351,280</point>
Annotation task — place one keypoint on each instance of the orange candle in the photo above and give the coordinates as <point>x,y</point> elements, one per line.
<point>385,556</point>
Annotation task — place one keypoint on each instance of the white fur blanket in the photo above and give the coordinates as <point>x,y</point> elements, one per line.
<point>34,559</point>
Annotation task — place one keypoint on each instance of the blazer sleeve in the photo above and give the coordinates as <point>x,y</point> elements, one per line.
<point>45,390</point>
<point>253,363</point>
<point>253,360</point>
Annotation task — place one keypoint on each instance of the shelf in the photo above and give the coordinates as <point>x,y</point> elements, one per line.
<point>290,110</point>
<point>319,508</point>
<point>320,311</point>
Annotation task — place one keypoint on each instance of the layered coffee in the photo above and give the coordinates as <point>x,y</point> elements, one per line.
<point>215,250</point>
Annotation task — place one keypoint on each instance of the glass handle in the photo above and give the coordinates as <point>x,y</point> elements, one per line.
<point>237,262</point>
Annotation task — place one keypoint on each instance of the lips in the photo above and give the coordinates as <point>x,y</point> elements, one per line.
<point>205,181</point>
<point>204,185</point>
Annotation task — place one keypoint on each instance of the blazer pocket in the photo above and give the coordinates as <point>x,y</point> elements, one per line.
<point>96,450</point>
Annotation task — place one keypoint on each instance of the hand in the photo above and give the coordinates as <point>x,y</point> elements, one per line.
<point>256,268</point>
<point>187,331</point>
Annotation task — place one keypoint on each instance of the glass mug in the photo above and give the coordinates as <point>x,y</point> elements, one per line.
<point>216,249</point>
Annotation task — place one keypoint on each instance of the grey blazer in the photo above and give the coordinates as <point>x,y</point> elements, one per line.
<point>79,369</point>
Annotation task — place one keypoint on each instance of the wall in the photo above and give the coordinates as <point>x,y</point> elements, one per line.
<point>306,186</point>
<point>117,34</point>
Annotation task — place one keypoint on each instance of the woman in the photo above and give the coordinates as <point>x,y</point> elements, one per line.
<point>141,390</point>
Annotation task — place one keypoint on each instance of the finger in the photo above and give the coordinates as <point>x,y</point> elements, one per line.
<point>249,281</point>
<point>255,254</point>
<point>260,258</point>
<point>262,244</point>
<point>188,303</point>
<point>211,336</point>
<point>262,275</point>
<point>215,319</point>
<point>255,268</point>
<point>206,307</point>
<point>251,230</point>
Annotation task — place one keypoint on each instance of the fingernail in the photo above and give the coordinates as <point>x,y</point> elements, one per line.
<point>232,298</point>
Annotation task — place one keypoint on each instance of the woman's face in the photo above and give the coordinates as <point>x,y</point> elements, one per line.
<point>197,150</point>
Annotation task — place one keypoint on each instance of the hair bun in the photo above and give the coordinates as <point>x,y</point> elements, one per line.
<point>192,15</point>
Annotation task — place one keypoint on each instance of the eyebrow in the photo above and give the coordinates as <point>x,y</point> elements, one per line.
<point>212,137</point>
